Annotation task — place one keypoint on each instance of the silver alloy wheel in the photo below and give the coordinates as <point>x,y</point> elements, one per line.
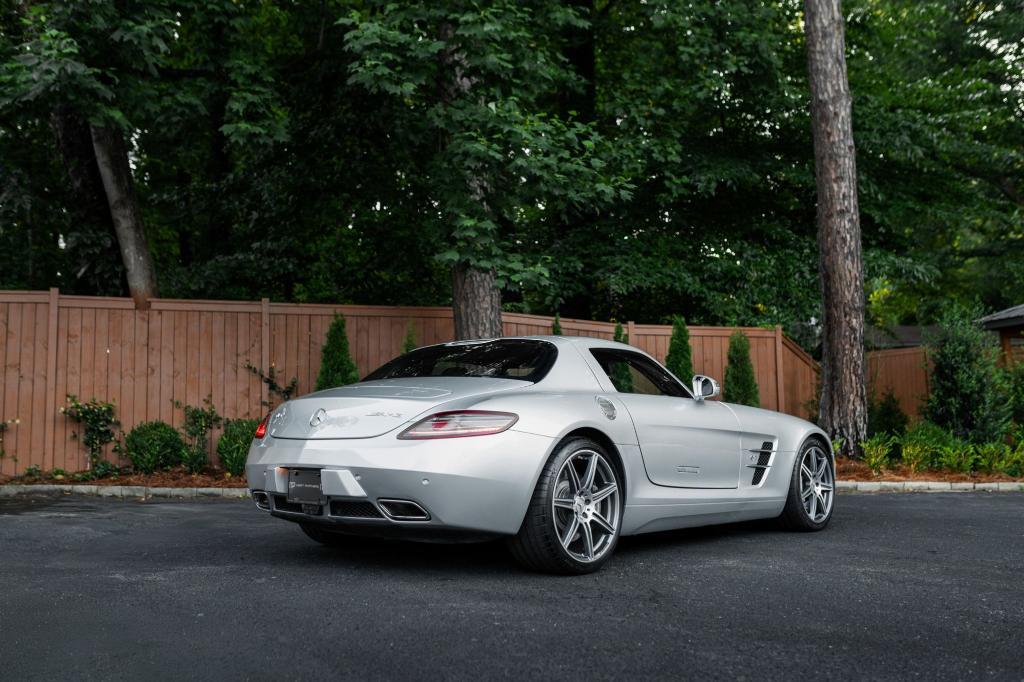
<point>817,484</point>
<point>585,506</point>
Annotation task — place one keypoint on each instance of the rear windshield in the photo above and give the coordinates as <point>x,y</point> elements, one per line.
<point>521,359</point>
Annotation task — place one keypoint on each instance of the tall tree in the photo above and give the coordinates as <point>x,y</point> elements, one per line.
<point>470,89</point>
<point>112,159</point>
<point>844,405</point>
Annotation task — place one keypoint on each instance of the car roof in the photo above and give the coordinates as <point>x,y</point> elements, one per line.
<point>580,341</point>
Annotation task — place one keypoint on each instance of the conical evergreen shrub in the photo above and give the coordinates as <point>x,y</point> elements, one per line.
<point>336,365</point>
<point>409,344</point>
<point>740,382</point>
<point>556,326</point>
<point>680,356</point>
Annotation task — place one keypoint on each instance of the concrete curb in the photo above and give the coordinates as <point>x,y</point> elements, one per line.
<point>122,491</point>
<point>926,486</point>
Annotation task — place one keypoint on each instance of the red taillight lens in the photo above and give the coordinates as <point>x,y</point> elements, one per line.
<point>459,424</point>
<point>261,430</point>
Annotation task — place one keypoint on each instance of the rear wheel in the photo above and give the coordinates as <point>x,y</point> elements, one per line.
<point>572,524</point>
<point>812,489</point>
<point>323,536</point>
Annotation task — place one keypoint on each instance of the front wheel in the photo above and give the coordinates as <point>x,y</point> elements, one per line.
<point>573,521</point>
<point>812,490</point>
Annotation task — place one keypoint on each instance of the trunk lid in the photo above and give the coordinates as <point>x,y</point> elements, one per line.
<point>373,408</point>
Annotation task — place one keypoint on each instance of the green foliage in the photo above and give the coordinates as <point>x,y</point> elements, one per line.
<point>369,145</point>
<point>4,425</point>
<point>886,416</point>
<point>199,423</point>
<point>409,344</point>
<point>922,445</point>
<point>337,368</point>
<point>556,325</point>
<point>154,445</point>
<point>274,388</point>
<point>679,360</point>
<point>1014,383</point>
<point>966,384</point>
<point>620,335</point>
<point>876,451</point>
<point>740,380</point>
<point>32,472</point>
<point>233,446</point>
<point>98,422</point>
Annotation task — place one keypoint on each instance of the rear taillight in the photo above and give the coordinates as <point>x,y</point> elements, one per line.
<point>459,424</point>
<point>261,430</point>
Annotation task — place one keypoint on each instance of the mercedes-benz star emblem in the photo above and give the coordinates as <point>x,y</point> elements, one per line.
<point>318,417</point>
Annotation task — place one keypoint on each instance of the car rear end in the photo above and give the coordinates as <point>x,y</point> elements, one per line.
<point>403,455</point>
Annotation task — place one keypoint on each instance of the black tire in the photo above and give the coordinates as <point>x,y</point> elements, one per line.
<point>537,546</point>
<point>795,516</point>
<point>324,536</point>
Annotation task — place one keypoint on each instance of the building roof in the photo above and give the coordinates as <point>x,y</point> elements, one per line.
<point>1011,317</point>
<point>897,336</point>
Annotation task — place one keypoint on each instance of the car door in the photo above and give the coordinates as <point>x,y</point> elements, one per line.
<point>685,443</point>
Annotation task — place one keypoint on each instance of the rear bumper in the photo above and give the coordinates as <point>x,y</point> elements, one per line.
<point>465,485</point>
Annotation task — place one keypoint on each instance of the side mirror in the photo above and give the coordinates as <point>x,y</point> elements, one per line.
<point>705,387</point>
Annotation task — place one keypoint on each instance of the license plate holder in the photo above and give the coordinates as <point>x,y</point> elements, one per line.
<point>304,486</point>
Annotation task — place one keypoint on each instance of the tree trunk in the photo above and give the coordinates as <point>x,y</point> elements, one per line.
<point>843,412</point>
<point>476,303</point>
<point>112,159</point>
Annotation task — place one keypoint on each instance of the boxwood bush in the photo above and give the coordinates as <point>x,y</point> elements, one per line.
<point>153,445</point>
<point>233,446</point>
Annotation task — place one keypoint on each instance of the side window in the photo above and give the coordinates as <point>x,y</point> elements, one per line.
<point>634,373</point>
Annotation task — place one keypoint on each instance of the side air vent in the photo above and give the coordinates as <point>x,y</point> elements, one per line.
<point>763,457</point>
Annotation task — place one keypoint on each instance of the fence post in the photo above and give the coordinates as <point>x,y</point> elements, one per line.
<point>50,411</point>
<point>265,349</point>
<point>780,386</point>
<point>631,332</point>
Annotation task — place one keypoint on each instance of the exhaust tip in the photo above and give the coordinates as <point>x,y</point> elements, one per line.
<point>403,510</point>
<point>262,500</point>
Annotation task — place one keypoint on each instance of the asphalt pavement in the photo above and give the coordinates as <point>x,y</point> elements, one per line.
<point>925,586</point>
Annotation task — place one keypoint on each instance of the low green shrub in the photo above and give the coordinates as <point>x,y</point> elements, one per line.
<point>153,445</point>
<point>876,451</point>
<point>958,456</point>
<point>199,422</point>
<point>886,416</point>
<point>233,446</point>
<point>922,445</point>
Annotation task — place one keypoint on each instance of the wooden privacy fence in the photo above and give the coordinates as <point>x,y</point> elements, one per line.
<point>145,360</point>
<point>904,371</point>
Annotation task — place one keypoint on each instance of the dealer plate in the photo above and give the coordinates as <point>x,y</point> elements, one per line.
<point>304,486</point>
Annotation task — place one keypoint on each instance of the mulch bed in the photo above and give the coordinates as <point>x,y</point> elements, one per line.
<point>855,470</point>
<point>175,478</point>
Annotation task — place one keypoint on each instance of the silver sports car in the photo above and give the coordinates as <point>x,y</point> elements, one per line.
<point>560,444</point>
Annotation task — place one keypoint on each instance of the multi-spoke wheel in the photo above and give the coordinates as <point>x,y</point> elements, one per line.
<point>586,505</point>
<point>811,489</point>
<point>572,525</point>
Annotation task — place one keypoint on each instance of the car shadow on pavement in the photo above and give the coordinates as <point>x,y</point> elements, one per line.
<point>492,557</point>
